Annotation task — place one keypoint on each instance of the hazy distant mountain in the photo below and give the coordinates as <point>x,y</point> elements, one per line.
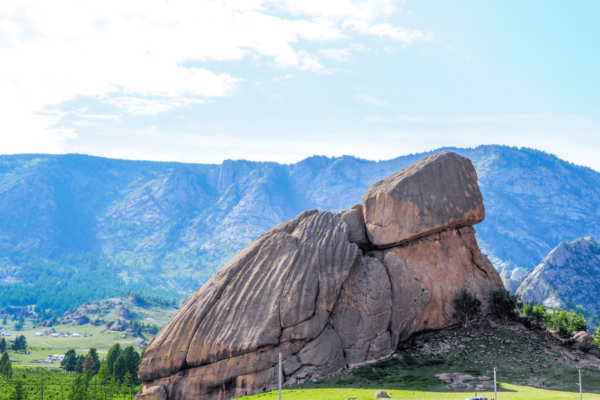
<point>170,226</point>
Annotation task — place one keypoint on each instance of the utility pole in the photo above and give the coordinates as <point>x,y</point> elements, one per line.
<point>280,376</point>
<point>580,389</point>
<point>495,387</point>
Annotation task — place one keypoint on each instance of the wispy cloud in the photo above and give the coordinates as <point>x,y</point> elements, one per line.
<point>370,100</point>
<point>109,117</point>
<point>138,106</point>
<point>405,35</point>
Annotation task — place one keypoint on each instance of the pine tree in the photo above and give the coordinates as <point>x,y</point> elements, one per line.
<point>132,359</point>
<point>7,370</point>
<point>88,365</point>
<point>80,364</point>
<point>120,368</point>
<point>113,354</point>
<point>18,392</point>
<point>104,373</point>
<point>2,345</point>
<point>94,354</point>
<point>79,389</point>
<point>4,321</point>
<point>69,363</point>
<point>3,360</point>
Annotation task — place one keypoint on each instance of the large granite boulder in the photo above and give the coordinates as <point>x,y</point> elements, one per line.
<point>437,193</point>
<point>304,289</point>
<point>426,274</point>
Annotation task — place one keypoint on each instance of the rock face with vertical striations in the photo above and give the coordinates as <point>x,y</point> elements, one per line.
<point>306,290</point>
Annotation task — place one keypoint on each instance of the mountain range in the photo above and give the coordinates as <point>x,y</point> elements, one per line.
<point>75,228</point>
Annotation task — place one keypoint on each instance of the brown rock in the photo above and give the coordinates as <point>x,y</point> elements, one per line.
<point>356,223</point>
<point>381,394</point>
<point>304,289</point>
<point>281,288</point>
<point>152,393</point>
<point>362,314</point>
<point>583,340</point>
<point>427,273</point>
<point>435,194</point>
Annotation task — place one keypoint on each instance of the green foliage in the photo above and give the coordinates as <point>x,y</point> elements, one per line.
<point>69,363</point>
<point>132,362</point>
<point>93,354</point>
<point>120,368</point>
<point>565,323</point>
<point>141,328</point>
<point>20,343</point>
<point>57,286</point>
<point>80,364</point>
<point>18,391</point>
<point>3,360</point>
<point>112,356</point>
<point>506,306</point>
<point>466,306</point>
<point>2,345</point>
<point>7,370</point>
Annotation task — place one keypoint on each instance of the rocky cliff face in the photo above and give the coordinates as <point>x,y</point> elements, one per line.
<point>169,227</point>
<point>316,290</point>
<point>570,271</point>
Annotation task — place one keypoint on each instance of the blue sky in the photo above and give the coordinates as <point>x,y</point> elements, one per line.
<point>204,81</point>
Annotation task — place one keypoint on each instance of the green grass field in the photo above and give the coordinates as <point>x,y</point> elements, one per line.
<point>507,392</point>
<point>43,346</point>
<point>412,374</point>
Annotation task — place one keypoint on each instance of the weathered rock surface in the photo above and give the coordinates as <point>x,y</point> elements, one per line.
<point>570,270</point>
<point>362,315</point>
<point>437,193</point>
<point>355,220</point>
<point>428,272</point>
<point>304,289</point>
<point>583,341</point>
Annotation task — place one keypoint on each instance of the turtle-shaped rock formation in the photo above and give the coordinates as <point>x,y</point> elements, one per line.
<point>329,291</point>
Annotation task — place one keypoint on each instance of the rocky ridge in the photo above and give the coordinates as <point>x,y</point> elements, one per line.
<point>317,290</point>
<point>569,271</point>
<point>171,226</point>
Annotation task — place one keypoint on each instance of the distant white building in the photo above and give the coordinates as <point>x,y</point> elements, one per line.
<point>39,334</point>
<point>48,361</point>
<point>55,335</point>
<point>76,335</point>
<point>5,333</point>
<point>58,357</point>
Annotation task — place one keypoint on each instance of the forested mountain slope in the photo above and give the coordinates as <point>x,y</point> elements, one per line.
<point>86,226</point>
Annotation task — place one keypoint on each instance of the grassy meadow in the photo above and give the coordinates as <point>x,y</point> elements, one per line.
<point>412,374</point>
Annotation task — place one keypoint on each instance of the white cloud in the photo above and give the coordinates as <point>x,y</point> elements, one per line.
<point>370,100</point>
<point>341,55</point>
<point>138,106</point>
<point>55,52</point>
<point>405,35</point>
<point>110,117</point>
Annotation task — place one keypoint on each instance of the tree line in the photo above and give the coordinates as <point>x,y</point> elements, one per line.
<point>510,307</point>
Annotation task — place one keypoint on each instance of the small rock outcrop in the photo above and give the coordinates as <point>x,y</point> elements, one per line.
<point>583,341</point>
<point>318,290</point>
